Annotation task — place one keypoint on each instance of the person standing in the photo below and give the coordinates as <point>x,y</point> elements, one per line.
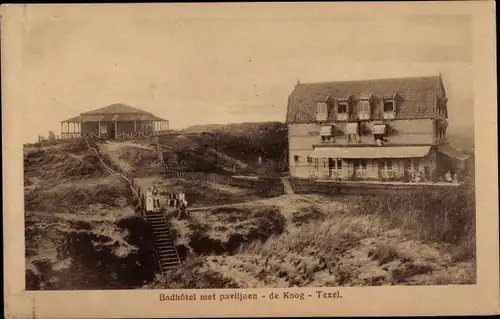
<point>448,176</point>
<point>149,202</point>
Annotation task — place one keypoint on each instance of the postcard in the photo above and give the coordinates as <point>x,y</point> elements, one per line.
<point>249,159</point>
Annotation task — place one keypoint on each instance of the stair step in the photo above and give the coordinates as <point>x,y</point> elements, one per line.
<point>167,253</point>
<point>169,261</point>
<point>170,267</point>
<point>166,242</point>
<point>157,221</point>
<point>159,225</point>
<point>163,234</point>
<point>168,248</point>
<point>161,229</point>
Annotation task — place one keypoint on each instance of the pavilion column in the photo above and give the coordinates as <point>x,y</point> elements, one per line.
<point>116,129</point>
<point>135,126</point>
<point>61,128</point>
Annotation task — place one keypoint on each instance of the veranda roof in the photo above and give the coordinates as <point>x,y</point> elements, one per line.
<point>370,152</point>
<point>452,152</point>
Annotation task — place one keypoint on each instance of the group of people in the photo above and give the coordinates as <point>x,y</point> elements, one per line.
<point>451,177</point>
<point>424,176</point>
<point>176,200</point>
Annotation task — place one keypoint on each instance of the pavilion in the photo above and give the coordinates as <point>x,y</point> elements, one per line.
<point>116,121</point>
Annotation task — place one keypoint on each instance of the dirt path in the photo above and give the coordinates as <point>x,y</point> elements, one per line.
<point>229,159</point>
<point>113,150</point>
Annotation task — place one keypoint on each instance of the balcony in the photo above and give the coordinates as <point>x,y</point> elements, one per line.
<point>389,115</point>
<point>364,116</point>
<point>342,116</point>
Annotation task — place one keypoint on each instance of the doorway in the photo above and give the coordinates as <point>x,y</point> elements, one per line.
<point>111,130</point>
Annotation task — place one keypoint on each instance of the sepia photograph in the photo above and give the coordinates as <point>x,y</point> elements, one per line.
<point>178,147</point>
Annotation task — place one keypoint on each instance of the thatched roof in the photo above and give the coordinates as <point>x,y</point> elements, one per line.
<point>416,96</point>
<point>114,112</point>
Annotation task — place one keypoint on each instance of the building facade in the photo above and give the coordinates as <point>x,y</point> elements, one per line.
<point>383,130</point>
<point>116,121</point>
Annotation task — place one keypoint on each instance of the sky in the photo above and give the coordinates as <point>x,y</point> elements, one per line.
<point>210,64</point>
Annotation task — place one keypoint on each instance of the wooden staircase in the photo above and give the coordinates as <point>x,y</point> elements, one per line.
<point>168,256</point>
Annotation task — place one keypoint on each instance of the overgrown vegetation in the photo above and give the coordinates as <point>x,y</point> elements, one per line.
<point>224,230</point>
<point>247,141</point>
<point>96,254</point>
<point>445,215</point>
<point>61,164</point>
<point>81,230</point>
<point>73,198</point>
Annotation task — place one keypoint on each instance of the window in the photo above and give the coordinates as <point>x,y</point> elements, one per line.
<point>416,165</point>
<point>309,159</point>
<point>296,158</point>
<point>342,107</point>
<point>327,138</point>
<point>364,110</point>
<point>363,165</point>
<point>385,165</point>
<point>316,163</point>
<point>339,164</point>
<point>389,106</point>
<point>321,111</point>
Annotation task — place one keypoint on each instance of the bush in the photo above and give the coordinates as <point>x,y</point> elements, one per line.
<point>447,215</point>
<point>72,198</point>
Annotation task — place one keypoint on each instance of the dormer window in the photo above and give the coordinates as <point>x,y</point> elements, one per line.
<point>342,111</point>
<point>390,108</point>
<point>364,110</point>
<point>321,111</point>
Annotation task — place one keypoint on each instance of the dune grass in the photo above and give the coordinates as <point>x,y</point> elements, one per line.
<point>446,215</point>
